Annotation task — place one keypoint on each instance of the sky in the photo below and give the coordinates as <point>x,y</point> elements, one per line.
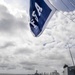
<point>21,52</point>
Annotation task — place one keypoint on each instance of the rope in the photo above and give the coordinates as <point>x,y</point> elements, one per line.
<point>72,2</point>
<point>65,4</point>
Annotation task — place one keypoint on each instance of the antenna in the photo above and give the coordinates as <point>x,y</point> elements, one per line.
<point>71,55</point>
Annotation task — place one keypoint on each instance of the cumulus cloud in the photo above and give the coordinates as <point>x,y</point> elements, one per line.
<point>25,51</point>
<point>8,44</point>
<point>28,63</point>
<point>3,66</point>
<point>29,68</point>
<point>9,23</point>
<point>20,50</point>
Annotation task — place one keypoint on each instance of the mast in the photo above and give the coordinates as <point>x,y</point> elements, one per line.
<point>71,55</point>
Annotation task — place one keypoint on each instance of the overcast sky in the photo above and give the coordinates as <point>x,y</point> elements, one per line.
<point>21,52</point>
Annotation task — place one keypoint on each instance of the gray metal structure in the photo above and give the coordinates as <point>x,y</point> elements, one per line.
<point>69,70</point>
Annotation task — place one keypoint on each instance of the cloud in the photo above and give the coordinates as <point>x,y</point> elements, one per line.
<point>7,63</point>
<point>26,51</point>
<point>6,45</point>
<point>28,63</point>
<point>6,66</point>
<point>3,66</point>
<point>29,68</point>
<point>12,67</point>
<point>3,8</point>
<point>9,23</point>
<point>23,51</point>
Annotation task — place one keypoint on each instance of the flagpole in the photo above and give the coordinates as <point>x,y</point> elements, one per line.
<point>71,55</point>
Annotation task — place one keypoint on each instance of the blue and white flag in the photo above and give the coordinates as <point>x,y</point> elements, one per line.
<point>40,13</point>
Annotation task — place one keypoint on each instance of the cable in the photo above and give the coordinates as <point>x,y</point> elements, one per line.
<point>71,55</point>
<point>69,18</point>
<point>65,4</point>
<point>72,2</point>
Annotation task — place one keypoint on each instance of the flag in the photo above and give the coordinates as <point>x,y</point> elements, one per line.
<point>40,13</point>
